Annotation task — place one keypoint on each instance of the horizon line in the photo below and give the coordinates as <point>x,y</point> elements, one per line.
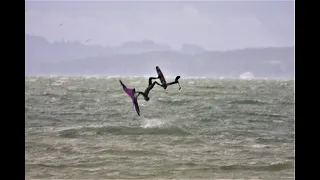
<point>170,48</point>
<point>147,76</point>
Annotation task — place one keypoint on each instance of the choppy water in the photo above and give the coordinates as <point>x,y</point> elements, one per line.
<point>86,128</point>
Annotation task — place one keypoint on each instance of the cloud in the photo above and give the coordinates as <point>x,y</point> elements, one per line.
<point>215,26</point>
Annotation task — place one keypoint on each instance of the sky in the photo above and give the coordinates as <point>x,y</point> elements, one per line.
<point>214,25</point>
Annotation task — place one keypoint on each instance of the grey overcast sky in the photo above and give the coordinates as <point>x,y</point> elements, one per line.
<point>214,25</point>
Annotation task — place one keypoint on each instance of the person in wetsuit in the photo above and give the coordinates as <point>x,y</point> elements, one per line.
<point>151,85</point>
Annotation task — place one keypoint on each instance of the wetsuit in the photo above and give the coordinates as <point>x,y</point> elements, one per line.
<point>151,85</point>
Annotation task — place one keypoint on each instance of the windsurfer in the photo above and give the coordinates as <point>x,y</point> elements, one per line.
<point>152,84</point>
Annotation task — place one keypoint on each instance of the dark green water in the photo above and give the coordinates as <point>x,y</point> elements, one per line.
<point>86,128</point>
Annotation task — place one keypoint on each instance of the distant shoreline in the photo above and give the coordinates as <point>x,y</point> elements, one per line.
<point>130,77</point>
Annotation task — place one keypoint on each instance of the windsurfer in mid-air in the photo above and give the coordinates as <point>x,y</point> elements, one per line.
<point>152,84</point>
<point>133,94</point>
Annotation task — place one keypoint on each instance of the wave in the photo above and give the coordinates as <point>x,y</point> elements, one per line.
<point>122,130</point>
<point>274,166</point>
<point>248,101</point>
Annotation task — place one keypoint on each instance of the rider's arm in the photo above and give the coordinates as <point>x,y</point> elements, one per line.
<point>139,92</point>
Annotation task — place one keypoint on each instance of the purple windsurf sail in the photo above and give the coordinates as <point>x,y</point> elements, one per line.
<point>130,93</point>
